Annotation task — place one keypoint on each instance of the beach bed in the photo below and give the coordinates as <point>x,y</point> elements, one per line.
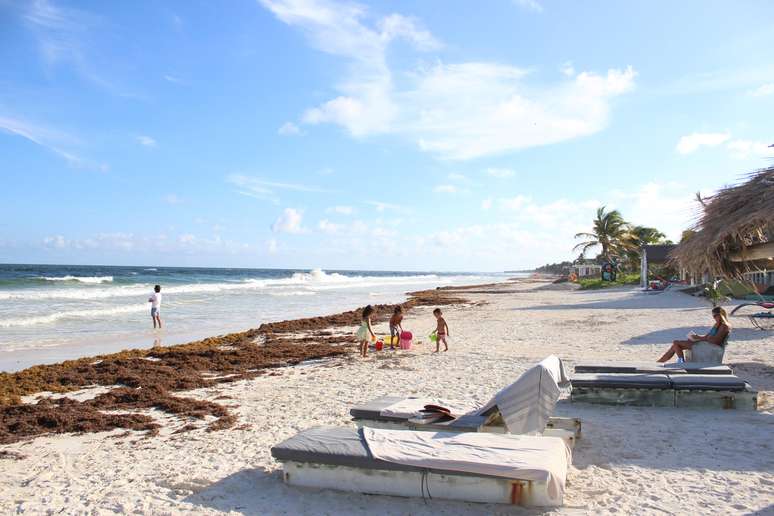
<point>519,470</point>
<point>372,414</point>
<point>672,368</point>
<point>724,391</point>
<point>523,407</point>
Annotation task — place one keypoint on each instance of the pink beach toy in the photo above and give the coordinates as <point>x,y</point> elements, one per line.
<point>405,339</point>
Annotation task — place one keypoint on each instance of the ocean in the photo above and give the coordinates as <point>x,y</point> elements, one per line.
<point>50,313</point>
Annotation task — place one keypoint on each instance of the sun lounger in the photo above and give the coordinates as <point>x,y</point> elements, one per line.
<point>670,369</point>
<point>522,407</point>
<point>664,390</point>
<point>521,470</point>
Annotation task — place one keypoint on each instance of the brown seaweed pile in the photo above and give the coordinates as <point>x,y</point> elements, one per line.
<point>147,377</point>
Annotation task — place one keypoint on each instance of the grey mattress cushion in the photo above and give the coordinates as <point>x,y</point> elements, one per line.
<point>645,368</point>
<point>621,381</point>
<point>373,409</point>
<point>339,446</point>
<point>712,382</point>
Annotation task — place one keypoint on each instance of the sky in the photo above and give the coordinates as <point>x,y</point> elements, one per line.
<point>434,135</point>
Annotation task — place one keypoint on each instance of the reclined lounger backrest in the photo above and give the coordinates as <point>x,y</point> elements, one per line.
<point>526,404</point>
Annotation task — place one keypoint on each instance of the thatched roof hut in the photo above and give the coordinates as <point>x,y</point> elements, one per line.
<point>735,231</point>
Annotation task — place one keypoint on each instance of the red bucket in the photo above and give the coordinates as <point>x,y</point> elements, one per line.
<point>379,345</point>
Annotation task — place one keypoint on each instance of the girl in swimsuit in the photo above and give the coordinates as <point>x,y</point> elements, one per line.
<point>395,326</point>
<point>717,335</point>
<point>365,333</point>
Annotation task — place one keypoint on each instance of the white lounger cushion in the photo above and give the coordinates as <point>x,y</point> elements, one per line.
<point>540,459</point>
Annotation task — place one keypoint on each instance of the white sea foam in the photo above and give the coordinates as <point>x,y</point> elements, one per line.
<point>316,280</point>
<point>71,314</point>
<point>80,279</point>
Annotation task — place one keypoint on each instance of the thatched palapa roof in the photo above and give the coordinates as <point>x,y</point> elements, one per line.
<point>735,231</point>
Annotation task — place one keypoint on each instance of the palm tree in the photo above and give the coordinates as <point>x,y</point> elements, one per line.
<point>610,233</point>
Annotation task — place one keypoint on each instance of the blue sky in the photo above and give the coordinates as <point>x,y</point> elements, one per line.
<point>433,135</point>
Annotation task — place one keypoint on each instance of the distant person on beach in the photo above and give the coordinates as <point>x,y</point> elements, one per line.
<point>365,333</point>
<point>717,336</point>
<point>395,326</point>
<point>155,301</point>
<point>441,331</point>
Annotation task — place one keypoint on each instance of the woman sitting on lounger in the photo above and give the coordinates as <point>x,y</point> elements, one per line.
<point>717,335</point>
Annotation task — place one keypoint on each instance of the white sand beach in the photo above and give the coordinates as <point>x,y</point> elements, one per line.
<point>628,461</point>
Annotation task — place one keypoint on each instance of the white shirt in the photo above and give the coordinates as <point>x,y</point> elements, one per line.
<point>155,300</point>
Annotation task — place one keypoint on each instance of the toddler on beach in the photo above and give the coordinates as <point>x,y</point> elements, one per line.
<point>441,331</point>
<point>155,301</point>
<point>395,326</point>
<point>365,333</point>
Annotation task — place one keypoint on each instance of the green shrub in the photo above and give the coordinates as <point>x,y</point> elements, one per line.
<point>597,283</point>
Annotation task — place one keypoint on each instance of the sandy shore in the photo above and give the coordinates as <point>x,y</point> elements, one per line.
<point>630,460</point>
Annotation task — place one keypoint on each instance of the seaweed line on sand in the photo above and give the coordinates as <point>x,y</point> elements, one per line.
<point>148,384</point>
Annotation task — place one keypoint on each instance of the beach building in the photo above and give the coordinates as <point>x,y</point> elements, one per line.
<point>653,255</point>
<point>585,270</point>
<point>734,235</point>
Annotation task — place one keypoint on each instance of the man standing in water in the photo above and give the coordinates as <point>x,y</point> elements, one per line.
<point>155,301</point>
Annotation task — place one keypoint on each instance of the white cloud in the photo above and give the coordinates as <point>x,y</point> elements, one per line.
<point>271,246</point>
<point>486,204</point>
<point>147,141</point>
<point>692,142</point>
<point>325,171</point>
<point>514,203</point>
<point>289,129</point>
<point>501,173</point>
<point>568,69</point>
<point>532,5</point>
<point>329,227</point>
<point>460,178</point>
<point>132,243</point>
<point>501,111</point>
<point>763,90</point>
<point>341,210</point>
<point>172,199</point>
<point>743,149</point>
<point>446,189</point>
<point>288,222</point>
<point>173,79</point>
<point>739,149</point>
<point>262,185</point>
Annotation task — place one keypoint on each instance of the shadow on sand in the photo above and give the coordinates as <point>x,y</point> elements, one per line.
<point>667,335</point>
<point>633,301</point>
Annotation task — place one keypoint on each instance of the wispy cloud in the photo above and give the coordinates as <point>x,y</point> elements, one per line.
<point>743,149</point>
<point>172,199</point>
<point>763,90</point>
<point>289,129</point>
<point>451,189</point>
<point>531,5</point>
<point>383,206</point>
<point>146,141</point>
<point>50,139</point>
<point>265,190</point>
<point>501,112</point>
<point>500,173</point>
<point>341,210</point>
<point>66,36</point>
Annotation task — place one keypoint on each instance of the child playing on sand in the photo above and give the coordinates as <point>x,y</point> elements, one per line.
<point>441,331</point>
<point>365,333</point>
<point>395,326</point>
<point>155,301</point>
